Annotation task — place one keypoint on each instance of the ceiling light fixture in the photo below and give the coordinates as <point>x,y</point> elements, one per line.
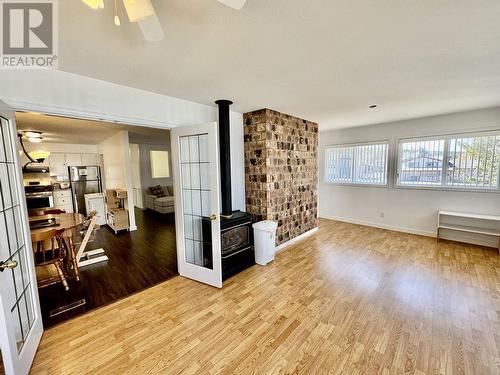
<point>32,134</point>
<point>137,10</point>
<point>35,140</point>
<point>141,12</point>
<point>34,156</point>
<point>39,155</point>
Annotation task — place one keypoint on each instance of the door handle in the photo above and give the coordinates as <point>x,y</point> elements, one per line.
<point>9,264</point>
<point>213,217</point>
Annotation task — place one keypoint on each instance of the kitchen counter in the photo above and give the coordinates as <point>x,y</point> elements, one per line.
<point>94,195</point>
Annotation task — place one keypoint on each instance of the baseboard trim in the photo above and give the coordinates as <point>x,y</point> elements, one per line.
<point>378,225</point>
<point>296,239</point>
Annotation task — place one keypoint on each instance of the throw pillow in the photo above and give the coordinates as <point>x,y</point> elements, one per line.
<point>157,191</point>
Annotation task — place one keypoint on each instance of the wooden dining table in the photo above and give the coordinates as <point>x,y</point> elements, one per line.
<point>66,221</point>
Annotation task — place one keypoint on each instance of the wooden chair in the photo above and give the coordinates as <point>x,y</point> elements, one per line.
<point>84,234</point>
<point>82,228</point>
<point>45,211</point>
<point>49,261</point>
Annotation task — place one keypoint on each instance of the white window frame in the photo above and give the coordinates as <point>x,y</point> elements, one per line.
<point>446,137</point>
<point>385,141</point>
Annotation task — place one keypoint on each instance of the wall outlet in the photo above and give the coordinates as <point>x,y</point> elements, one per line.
<point>382,215</point>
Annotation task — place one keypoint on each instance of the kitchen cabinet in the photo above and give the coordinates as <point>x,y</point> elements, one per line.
<point>58,166</point>
<point>74,160</point>
<point>59,163</point>
<point>63,200</point>
<point>91,159</point>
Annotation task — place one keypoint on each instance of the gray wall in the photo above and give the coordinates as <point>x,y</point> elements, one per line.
<point>405,209</point>
<point>146,144</point>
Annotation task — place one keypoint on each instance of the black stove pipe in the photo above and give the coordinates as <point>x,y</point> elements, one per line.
<point>225,157</point>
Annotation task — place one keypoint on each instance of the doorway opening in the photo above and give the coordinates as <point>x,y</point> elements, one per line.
<point>109,188</point>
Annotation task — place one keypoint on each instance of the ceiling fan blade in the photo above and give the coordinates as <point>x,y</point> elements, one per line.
<point>235,4</point>
<point>143,13</point>
<point>94,4</point>
<point>151,29</point>
<point>138,10</point>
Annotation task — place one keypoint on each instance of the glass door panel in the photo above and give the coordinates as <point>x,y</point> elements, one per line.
<point>20,318</point>
<point>196,198</point>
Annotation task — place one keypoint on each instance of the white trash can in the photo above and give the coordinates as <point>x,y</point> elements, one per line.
<point>265,239</point>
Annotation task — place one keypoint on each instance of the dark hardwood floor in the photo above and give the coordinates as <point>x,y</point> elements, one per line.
<point>137,260</point>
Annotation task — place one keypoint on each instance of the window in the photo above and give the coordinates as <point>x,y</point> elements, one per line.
<point>468,162</point>
<point>363,164</point>
<point>159,164</point>
<point>421,162</point>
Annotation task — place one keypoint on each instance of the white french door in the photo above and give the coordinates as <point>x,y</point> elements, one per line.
<point>20,317</point>
<point>195,160</point>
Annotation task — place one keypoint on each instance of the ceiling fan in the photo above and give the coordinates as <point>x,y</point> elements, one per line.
<point>143,13</point>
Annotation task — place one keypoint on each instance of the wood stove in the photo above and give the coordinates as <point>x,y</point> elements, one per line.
<point>236,242</point>
<point>235,238</point>
<point>237,245</point>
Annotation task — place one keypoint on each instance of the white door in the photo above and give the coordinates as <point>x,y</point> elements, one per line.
<point>195,160</point>
<point>20,317</point>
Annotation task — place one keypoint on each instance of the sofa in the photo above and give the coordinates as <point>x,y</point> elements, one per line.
<point>160,199</point>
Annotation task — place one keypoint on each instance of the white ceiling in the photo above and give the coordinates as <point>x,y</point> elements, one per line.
<point>66,130</point>
<point>322,60</point>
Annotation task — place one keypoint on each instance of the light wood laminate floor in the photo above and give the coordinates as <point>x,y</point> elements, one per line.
<point>347,300</point>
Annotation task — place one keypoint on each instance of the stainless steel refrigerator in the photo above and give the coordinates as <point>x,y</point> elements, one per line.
<point>84,180</point>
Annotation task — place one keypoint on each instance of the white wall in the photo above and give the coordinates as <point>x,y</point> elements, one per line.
<point>117,171</point>
<point>237,162</point>
<point>57,92</point>
<point>135,164</point>
<point>409,210</point>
